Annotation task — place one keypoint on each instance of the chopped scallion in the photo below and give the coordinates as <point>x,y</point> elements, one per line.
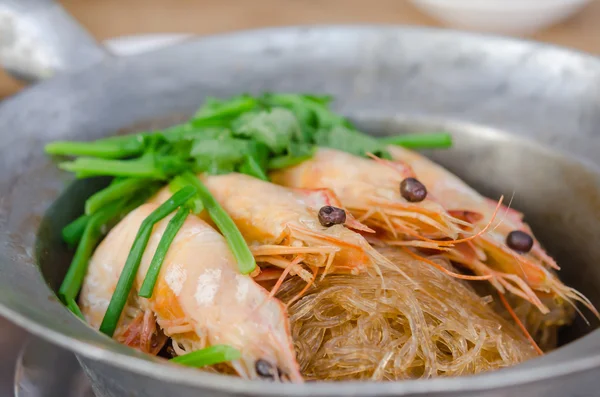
<point>71,234</point>
<point>440,140</point>
<point>72,305</point>
<point>110,148</point>
<point>113,192</point>
<point>161,251</point>
<point>194,204</point>
<point>208,356</point>
<point>91,235</point>
<point>142,167</point>
<point>119,298</point>
<point>225,224</point>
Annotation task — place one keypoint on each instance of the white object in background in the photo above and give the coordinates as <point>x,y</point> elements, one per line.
<point>515,17</point>
<point>137,44</point>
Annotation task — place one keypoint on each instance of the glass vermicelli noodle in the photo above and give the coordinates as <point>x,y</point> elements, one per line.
<point>355,327</point>
<point>542,327</point>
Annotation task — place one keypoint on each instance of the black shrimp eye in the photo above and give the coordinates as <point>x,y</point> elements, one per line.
<point>329,216</point>
<point>412,190</point>
<point>265,369</point>
<point>519,241</point>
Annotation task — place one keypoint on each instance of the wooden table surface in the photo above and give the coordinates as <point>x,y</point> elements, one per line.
<point>112,18</point>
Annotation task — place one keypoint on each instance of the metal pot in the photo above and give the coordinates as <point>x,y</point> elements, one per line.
<point>526,119</point>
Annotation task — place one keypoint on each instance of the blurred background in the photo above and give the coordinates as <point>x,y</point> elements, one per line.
<point>570,23</point>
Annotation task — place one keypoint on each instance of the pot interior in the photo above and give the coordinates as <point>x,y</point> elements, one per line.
<point>559,196</point>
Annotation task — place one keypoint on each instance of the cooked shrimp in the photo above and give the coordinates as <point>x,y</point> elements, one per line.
<point>200,298</point>
<point>282,226</point>
<point>370,189</point>
<point>489,252</point>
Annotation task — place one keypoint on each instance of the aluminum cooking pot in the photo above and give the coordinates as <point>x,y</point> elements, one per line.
<point>525,117</point>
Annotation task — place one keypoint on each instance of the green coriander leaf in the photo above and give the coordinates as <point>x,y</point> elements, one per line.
<point>188,132</point>
<point>275,128</point>
<point>303,105</point>
<point>251,167</point>
<point>220,112</point>
<point>213,166</point>
<point>224,150</point>
<point>350,141</point>
<point>297,153</point>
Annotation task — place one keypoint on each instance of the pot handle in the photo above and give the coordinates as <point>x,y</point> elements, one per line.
<point>38,38</point>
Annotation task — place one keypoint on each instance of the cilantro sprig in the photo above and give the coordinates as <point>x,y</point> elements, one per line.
<point>244,134</point>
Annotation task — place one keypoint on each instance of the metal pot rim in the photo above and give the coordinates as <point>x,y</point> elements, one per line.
<point>170,373</point>
<point>191,377</point>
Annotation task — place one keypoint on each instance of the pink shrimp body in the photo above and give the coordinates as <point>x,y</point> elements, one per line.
<point>280,223</point>
<point>456,196</point>
<point>371,191</point>
<point>200,298</point>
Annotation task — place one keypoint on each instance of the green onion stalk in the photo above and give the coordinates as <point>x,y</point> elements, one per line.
<point>123,288</point>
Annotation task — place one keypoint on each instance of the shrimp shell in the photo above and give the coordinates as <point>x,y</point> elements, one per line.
<point>371,191</point>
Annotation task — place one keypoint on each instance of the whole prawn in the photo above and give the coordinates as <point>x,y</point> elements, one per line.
<point>199,300</point>
<point>282,228</point>
<point>370,190</point>
<point>453,218</point>
<point>489,251</point>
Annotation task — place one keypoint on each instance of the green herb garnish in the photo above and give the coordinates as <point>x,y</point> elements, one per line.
<point>71,234</point>
<point>119,298</point>
<point>233,236</point>
<point>277,130</point>
<point>250,166</point>
<point>89,239</point>
<point>72,305</point>
<point>109,148</point>
<point>209,356</point>
<point>438,140</point>
<point>115,191</point>
<point>161,251</point>
<point>93,230</point>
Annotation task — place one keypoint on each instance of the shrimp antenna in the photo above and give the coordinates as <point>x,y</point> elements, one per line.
<point>520,324</point>
<point>512,196</point>
<point>446,271</point>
